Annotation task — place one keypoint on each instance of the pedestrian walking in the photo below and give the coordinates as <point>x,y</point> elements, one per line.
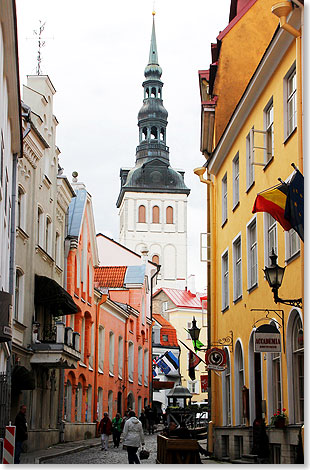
<point>116,429</point>
<point>21,432</point>
<point>133,437</point>
<point>105,428</point>
<point>150,419</point>
<point>142,418</point>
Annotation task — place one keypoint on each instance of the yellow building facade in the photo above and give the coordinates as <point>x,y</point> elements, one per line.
<point>259,143</point>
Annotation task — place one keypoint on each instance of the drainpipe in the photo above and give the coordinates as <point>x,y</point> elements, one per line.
<point>200,172</point>
<point>281,10</point>
<point>150,339</point>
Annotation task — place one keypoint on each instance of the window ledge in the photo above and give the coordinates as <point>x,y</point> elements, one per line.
<point>224,223</point>
<point>82,364</point>
<point>139,382</point>
<point>235,206</point>
<point>293,257</point>
<point>289,136</point>
<point>120,377</point>
<point>100,371</point>
<point>250,187</point>
<point>225,309</point>
<point>253,287</point>
<point>76,296</point>
<point>130,381</point>
<point>90,368</point>
<point>268,163</point>
<point>58,269</point>
<point>83,300</point>
<point>88,303</point>
<point>146,384</point>
<point>111,374</point>
<point>237,299</point>
<point>22,234</point>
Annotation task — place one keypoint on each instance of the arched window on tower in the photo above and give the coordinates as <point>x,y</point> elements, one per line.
<point>162,134</point>
<point>169,215</point>
<point>147,92</point>
<point>141,215</point>
<point>153,92</point>
<point>154,134</point>
<point>159,93</point>
<point>155,215</point>
<point>144,133</point>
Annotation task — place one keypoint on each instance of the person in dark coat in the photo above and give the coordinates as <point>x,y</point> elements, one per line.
<point>117,429</point>
<point>21,432</point>
<point>142,418</point>
<point>105,429</point>
<point>149,414</point>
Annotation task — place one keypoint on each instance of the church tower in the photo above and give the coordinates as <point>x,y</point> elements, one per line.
<point>153,196</point>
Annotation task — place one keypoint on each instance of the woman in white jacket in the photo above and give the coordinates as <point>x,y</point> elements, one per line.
<point>132,437</point>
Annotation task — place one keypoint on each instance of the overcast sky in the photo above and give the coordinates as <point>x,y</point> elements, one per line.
<point>95,55</point>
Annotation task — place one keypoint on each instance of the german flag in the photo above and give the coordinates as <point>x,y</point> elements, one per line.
<point>273,201</point>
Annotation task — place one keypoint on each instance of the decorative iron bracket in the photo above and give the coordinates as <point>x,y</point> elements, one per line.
<point>280,315</point>
<point>227,341</point>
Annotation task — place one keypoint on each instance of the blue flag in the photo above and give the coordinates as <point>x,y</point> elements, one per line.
<point>294,208</point>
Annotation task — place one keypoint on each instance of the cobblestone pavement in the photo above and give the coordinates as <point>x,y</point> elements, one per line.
<point>113,456</point>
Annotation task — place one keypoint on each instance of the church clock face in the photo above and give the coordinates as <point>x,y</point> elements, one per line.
<point>156,177</point>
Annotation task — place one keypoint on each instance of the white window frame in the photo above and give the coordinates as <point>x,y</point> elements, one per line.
<point>252,247</point>
<point>225,280</point>
<point>250,171</point>
<point>19,295</point>
<point>269,131</point>
<point>290,98</point>
<point>291,238</point>
<point>21,208</point>
<point>237,265</point>
<point>40,226</point>
<point>224,199</point>
<point>48,234</point>
<point>92,346</point>
<point>131,353</point>
<point>57,248</point>
<point>235,174</point>
<point>270,231</point>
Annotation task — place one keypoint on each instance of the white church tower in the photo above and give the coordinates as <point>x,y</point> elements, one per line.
<point>153,197</point>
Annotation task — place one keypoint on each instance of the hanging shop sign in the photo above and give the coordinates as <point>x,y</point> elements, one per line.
<point>216,359</point>
<point>267,338</point>
<point>204,383</point>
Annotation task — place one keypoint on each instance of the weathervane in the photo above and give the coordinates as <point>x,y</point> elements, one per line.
<point>41,44</point>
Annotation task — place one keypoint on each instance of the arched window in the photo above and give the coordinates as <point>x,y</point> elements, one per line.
<point>147,92</point>
<point>120,356</point>
<point>141,215</point>
<point>57,249</point>
<point>100,403</point>
<point>154,133</point>
<point>101,347</point>
<point>274,380</point>
<point>153,92</point>
<point>169,215</point>
<point>88,409</point>
<point>159,92</point>
<point>155,259</point>
<point>130,361</point>
<point>92,345</point>
<point>21,208</point>
<point>298,369</point>
<point>239,382</point>
<point>19,295</point>
<point>146,367</point>
<point>78,402</point>
<point>48,235</point>
<point>155,215</point>
<point>144,133</point>
<point>110,404</point>
<point>140,359</point>
<point>83,340</point>
<point>40,227</point>
<point>226,378</point>
<point>111,353</point>
<point>90,282</point>
<point>162,134</point>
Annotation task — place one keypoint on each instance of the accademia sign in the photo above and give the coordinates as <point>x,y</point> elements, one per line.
<point>267,339</point>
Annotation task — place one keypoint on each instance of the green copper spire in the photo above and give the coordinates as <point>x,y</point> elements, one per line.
<point>153,70</point>
<point>153,58</point>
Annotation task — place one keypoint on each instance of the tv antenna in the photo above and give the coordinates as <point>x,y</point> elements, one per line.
<point>41,43</point>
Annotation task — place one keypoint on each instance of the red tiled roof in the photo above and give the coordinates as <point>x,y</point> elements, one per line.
<point>182,298</point>
<point>110,276</point>
<point>166,329</point>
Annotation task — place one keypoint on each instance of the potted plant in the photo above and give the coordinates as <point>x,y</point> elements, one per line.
<point>279,419</point>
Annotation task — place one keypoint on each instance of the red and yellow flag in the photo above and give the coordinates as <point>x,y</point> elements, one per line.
<point>273,201</point>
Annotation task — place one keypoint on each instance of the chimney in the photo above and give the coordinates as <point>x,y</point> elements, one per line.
<point>191,287</point>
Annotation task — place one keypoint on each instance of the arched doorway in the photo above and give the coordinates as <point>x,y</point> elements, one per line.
<point>130,401</point>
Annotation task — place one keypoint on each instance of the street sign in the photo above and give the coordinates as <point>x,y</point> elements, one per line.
<point>216,359</point>
<point>267,338</point>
